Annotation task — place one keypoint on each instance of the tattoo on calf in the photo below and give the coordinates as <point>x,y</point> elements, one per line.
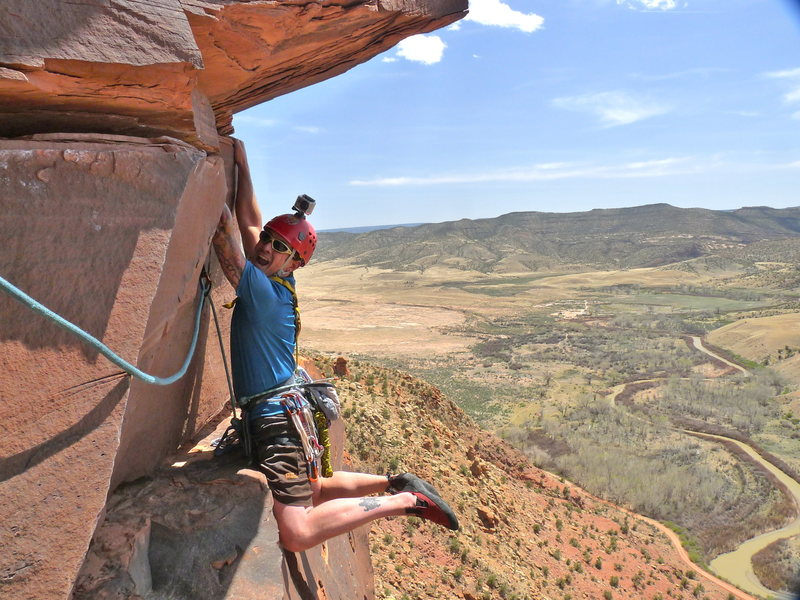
<point>370,503</point>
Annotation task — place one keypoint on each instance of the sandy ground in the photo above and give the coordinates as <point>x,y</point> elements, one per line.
<point>386,329</point>
<point>360,309</point>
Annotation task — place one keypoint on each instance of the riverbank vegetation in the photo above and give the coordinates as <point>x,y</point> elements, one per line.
<point>778,565</point>
<point>659,472</point>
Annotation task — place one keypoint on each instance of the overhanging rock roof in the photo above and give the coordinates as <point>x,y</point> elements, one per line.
<point>184,67</point>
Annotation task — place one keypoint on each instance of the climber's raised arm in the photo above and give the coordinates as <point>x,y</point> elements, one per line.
<point>248,215</point>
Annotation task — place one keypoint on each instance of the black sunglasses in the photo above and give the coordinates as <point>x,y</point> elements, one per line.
<point>277,245</point>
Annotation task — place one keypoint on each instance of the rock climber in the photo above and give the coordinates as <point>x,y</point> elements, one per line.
<point>259,263</point>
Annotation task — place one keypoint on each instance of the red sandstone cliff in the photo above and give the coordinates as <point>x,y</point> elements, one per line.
<point>113,170</point>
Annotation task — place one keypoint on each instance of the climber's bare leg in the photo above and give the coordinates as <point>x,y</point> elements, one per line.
<point>303,527</point>
<point>343,484</point>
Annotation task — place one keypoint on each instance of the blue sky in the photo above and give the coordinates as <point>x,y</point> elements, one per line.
<point>558,106</point>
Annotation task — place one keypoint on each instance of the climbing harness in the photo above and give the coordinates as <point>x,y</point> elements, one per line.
<point>309,405</point>
<point>37,307</point>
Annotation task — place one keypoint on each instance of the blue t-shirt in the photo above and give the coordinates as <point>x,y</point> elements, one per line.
<point>262,333</point>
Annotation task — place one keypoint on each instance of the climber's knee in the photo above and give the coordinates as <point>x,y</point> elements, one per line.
<point>293,530</point>
<point>292,542</point>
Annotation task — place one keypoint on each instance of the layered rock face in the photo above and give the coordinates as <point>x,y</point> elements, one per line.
<point>114,164</point>
<point>183,67</point>
<point>110,233</point>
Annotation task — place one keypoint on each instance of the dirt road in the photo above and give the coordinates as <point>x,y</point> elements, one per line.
<point>698,343</point>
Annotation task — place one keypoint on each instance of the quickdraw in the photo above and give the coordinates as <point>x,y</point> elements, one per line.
<point>302,417</point>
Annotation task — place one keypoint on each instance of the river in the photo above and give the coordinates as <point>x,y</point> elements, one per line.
<point>737,566</point>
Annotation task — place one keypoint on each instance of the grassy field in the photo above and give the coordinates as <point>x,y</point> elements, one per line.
<point>536,357</point>
<point>772,340</point>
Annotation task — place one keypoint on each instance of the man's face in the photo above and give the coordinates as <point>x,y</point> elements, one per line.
<point>273,255</point>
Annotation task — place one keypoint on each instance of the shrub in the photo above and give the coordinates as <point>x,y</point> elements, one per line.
<point>454,546</point>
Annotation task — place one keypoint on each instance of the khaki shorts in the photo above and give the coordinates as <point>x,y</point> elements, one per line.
<point>279,455</point>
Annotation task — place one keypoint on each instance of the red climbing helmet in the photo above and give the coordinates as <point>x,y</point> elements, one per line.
<point>298,232</point>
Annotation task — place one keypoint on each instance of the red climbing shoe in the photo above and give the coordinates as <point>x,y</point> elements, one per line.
<point>432,508</point>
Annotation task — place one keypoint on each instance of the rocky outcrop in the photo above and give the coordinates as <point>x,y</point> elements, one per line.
<point>183,67</point>
<point>200,529</point>
<point>111,188</point>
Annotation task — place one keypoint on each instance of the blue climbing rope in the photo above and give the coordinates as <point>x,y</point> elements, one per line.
<point>39,308</point>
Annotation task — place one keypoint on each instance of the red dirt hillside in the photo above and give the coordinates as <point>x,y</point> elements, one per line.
<point>524,534</point>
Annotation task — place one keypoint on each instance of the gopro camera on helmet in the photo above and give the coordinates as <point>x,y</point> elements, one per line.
<point>304,205</point>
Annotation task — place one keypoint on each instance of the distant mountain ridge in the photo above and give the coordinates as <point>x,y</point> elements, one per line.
<point>642,236</point>
<point>366,228</point>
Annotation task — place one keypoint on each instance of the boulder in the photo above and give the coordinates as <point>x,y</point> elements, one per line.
<point>340,367</point>
<point>488,518</point>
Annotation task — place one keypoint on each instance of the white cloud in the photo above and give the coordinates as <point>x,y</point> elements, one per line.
<point>785,74</point>
<point>307,128</point>
<point>258,121</point>
<point>792,96</point>
<point>652,4</point>
<point>613,108</point>
<point>500,14</point>
<point>792,77</point>
<point>549,172</point>
<point>427,49</point>
<point>661,167</point>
